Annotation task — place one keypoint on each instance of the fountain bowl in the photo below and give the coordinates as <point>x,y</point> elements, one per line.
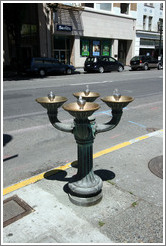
<point>117,104</point>
<point>51,105</point>
<point>91,97</point>
<point>75,111</point>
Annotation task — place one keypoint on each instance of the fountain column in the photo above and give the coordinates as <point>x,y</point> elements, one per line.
<point>85,188</point>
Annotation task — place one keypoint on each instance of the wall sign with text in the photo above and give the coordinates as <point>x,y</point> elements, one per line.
<point>64,28</point>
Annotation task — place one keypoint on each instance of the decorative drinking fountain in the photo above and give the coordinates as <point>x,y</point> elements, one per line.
<point>87,95</point>
<point>85,188</point>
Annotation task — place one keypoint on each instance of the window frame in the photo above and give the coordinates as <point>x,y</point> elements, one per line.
<point>86,42</point>
<point>89,5</point>
<point>149,4</point>
<point>104,46</point>
<point>100,9</point>
<point>127,5</point>
<point>150,23</point>
<point>144,21</point>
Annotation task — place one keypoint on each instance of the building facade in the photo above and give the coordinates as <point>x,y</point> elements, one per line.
<point>149,23</point>
<point>93,29</point>
<point>72,31</point>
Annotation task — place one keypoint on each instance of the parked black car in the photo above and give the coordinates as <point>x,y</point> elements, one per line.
<point>43,66</point>
<point>102,63</point>
<point>145,62</point>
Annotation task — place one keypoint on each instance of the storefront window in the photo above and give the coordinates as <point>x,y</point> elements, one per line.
<point>90,47</point>
<point>106,48</point>
<point>85,48</point>
<point>151,42</point>
<point>96,48</point>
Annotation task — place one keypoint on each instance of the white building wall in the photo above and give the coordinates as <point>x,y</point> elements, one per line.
<point>77,60</point>
<point>108,26</point>
<point>115,48</point>
<point>137,45</point>
<point>156,13</point>
<point>116,10</point>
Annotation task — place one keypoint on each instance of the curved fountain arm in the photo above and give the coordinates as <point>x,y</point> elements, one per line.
<point>57,124</point>
<point>116,116</point>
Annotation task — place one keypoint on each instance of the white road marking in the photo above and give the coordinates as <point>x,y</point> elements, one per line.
<point>98,82</point>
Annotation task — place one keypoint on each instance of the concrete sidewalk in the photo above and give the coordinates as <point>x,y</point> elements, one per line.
<point>130,211</point>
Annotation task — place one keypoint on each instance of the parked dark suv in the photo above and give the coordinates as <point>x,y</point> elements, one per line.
<point>43,66</point>
<point>145,62</point>
<point>102,63</point>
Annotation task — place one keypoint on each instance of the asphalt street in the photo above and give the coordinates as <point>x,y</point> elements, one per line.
<point>32,145</point>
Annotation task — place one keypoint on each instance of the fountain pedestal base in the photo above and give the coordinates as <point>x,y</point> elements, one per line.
<point>86,201</point>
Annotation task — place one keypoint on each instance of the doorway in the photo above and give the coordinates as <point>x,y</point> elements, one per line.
<point>62,55</point>
<point>62,49</point>
<point>122,51</point>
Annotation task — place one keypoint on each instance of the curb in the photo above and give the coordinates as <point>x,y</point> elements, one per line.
<point>40,176</point>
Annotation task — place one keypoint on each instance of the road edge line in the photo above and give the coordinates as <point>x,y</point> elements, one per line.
<point>39,177</point>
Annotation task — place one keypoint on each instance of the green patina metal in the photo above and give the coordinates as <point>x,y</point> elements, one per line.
<point>85,188</point>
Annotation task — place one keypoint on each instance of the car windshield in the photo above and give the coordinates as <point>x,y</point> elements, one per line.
<point>136,58</point>
<point>91,59</point>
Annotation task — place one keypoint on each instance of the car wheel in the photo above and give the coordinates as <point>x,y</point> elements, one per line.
<point>42,72</point>
<point>120,69</point>
<point>146,67</point>
<point>101,70</point>
<point>159,66</point>
<point>133,68</point>
<point>68,71</point>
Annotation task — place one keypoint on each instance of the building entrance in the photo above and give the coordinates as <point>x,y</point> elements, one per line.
<point>62,55</point>
<point>122,51</point>
<point>62,49</point>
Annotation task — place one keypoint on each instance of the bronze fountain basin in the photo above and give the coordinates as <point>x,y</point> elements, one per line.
<point>91,97</point>
<point>74,109</point>
<point>117,104</point>
<point>51,104</point>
